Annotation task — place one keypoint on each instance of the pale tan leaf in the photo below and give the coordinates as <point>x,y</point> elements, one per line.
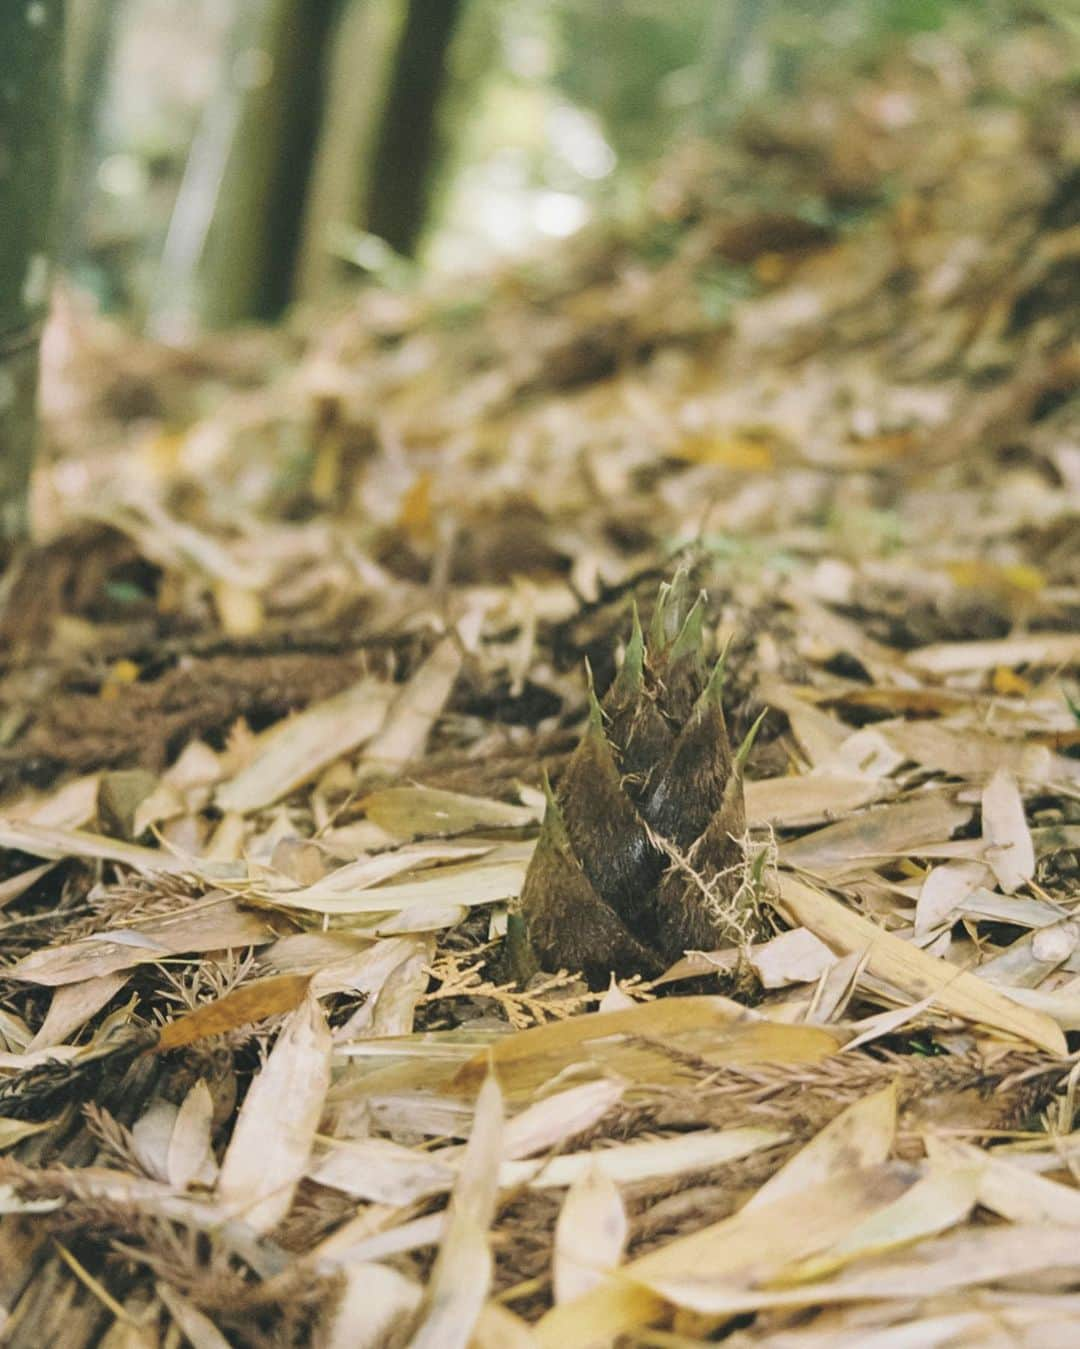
<point>16,886</point>
<point>943,890</point>
<point>274,1131</point>
<point>73,1005</point>
<point>1023,1197</point>
<point>614,999</point>
<point>860,1137</point>
<point>13,1131</point>
<point>872,835</point>
<point>795,957</point>
<point>499,1328</point>
<point>295,751</point>
<point>1045,649</point>
<point>204,925</point>
<point>497,875</point>
<point>378,1171</point>
<point>150,1134</point>
<point>631,1043</point>
<point>943,1197</point>
<point>375,1310</point>
<point>744,1250</point>
<point>916,972</point>
<point>971,753</point>
<point>190,1156</point>
<point>1010,852</point>
<point>417,707</point>
<point>964,1259</point>
<point>462,1274</point>
<point>1061,1005</point>
<point>590,1234</point>
<point>630,1162</point>
<point>811,798</point>
<point>547,1123</point>
<point>57,842</point>
<point>70,806</point>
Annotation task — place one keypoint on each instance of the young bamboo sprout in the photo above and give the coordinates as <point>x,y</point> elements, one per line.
<point>641,853</point>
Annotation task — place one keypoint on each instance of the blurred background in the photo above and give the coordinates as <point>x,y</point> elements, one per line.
<point>230,158</point>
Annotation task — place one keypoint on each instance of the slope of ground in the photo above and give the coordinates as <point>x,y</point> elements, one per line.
<point>308,621</point>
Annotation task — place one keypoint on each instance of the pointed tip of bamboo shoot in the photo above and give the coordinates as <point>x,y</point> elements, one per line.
<point>743,752</point>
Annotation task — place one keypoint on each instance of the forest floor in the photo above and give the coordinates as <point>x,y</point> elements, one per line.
<point>308,624</point>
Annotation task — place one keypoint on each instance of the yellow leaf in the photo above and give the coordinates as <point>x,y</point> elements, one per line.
<point>745,453</point>
<point>251,1002</point>
<point>416,518</point>
<point>1007,682</point>
<point>711,1027</point>
<point>121,673</point>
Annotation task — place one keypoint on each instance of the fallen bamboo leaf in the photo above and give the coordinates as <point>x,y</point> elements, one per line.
<point>796,957</point>
<point>811,798</point>
<point>1010,853</point>
<point>497,875</point>
<point>13,1131</point>
<point>72,1005</point>
<point>241,1007</point>
<point>293,752</point>
<point>1009,1190</point>
<point>880,832</point>
<point>906,967</point>
<point>370,871</point>
<point>748,1248</point>
<point>462,1273</point>
<point>498,1328</point>
<point>196,1326</point>
<point>271,1141</point>
<point>416,812</point>
<point>416,708</point>
<point>965,1259</point>
<point>1045,649</point>
<point>944,890</point>
<point>190,1154</point>
<point>546,1123</point>
<point>969,753</point>
<point>590,1235</point>
<point>374,1311</point>
<point>631,1162</point>
<point>204,925</point>
<point>860,1137</point>
<point>724,1030</point>
<point>943,1197</point>
<point>56,843</point>
<point>382,1172</point>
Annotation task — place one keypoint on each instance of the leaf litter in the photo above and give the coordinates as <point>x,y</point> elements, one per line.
<point>409,938</point>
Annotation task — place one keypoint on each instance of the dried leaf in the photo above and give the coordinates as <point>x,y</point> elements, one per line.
<point>204,925</point>
<point>271,1141</point>
<point>917,973</point>
<point>462,1274</point>
<point>414,711</point>
<point>417,812</point>
<point>294,752</point>
<point>375,1310</point>
<point>242,1006</point>
<point>590,1235</point>
<point>609,1041</point>
<point>1010,853</point>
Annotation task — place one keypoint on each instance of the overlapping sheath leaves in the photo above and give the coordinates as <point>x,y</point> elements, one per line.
<point>640,855</point>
